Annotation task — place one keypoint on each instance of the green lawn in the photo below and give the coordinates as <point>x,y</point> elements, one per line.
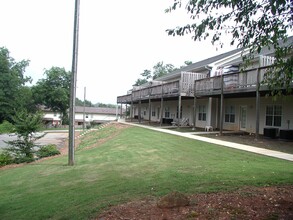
<point>135,164</point>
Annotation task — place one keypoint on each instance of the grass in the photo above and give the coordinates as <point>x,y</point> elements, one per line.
<point>135,164</point>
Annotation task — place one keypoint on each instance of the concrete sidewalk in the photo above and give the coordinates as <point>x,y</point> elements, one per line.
<point>257,150</point>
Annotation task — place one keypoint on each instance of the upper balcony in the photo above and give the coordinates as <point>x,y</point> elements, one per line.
<point>234,83</point>
<point>183,86</point>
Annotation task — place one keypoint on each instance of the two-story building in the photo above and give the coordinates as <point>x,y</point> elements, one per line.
<point>214,93</point>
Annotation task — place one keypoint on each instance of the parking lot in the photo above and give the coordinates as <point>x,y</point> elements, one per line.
<point>57,138</point>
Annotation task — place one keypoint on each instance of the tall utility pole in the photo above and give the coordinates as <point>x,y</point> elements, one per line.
<point>73,86</point>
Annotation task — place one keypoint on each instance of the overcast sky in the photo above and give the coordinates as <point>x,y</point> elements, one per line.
<point>117,40</point>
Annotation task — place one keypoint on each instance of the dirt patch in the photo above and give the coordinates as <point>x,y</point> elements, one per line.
<point>265,203</point>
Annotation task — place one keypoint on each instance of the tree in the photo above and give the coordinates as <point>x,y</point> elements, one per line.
<point>12,82</point>
<point>252,24</point>
<point>159,70</point>
<point>25,126</point>
<point>79,102</point>
<point>54,91</point>
<point>140,81</point>
<point>186,63</point>
<point>105,105</point>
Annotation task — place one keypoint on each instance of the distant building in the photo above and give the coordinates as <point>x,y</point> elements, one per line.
<point>96,114</point>
<point>92,115</point>
<point>50,118</point>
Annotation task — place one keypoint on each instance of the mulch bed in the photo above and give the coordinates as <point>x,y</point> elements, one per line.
<point>267,203</point>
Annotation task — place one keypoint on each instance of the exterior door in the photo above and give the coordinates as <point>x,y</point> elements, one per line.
<point>243,117</point>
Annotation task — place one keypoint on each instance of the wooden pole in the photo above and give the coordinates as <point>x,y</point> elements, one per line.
<point>73,86</point>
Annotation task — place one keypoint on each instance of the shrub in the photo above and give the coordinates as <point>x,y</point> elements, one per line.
<point>25,126</point>
<point>6,127</point>
<point>47,151</point>
<point>21,150</point>
<point>5,158</point>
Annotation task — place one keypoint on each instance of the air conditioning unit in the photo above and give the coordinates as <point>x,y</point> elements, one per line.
<point>271,132</point>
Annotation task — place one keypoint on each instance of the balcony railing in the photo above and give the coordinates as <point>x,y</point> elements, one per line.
<point>234,82</point>
<point>183,86</point>
<point>239,82</point>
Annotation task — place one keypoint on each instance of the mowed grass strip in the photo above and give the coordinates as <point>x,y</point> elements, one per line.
<point>135,164</point>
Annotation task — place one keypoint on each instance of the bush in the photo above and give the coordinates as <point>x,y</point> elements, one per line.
<point>5,158</point>
<point>47,151</point>
<point>6,127</point>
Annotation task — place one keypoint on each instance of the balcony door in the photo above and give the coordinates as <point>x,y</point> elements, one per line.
<point>243,118</point>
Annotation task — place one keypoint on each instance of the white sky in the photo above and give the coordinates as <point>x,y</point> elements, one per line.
<point>118,39</point>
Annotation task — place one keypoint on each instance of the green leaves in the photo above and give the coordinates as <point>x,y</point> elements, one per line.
<point>27,123</point>
<point>251,24</point>
<point>54,90</point>
<point>12,82</point>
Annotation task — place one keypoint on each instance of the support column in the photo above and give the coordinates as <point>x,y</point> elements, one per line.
<point>131,109</point>
<point>209,112</point>
<point>179,110</point>
<point>179,102</point>
<point>222,105</point>
<point>162,106</point>
<point>139,111</point>
<point>150,106</point>
<point>194,112</point>
<point>139,107</point>
<point>257,104</point>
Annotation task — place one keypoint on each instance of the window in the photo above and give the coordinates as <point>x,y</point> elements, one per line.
<point>230,114</point>
<point>86,116</point>
<point>202,115</point>
<point>167,112</point>
<point>153,113</point>
<point>274,115</point>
